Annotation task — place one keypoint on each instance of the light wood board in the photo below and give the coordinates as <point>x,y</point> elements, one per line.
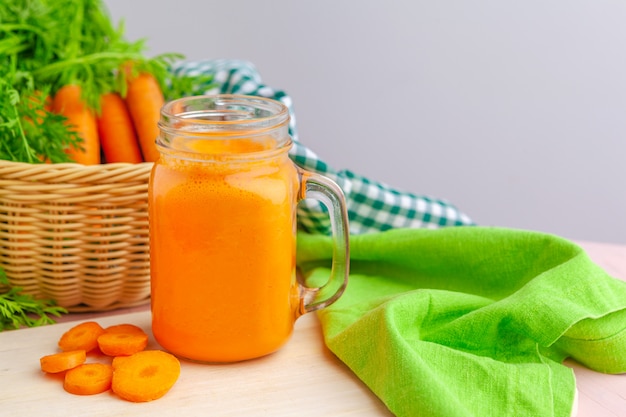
<point>302,379</point>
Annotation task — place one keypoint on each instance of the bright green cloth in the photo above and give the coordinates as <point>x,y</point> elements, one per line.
<point>471,321</point>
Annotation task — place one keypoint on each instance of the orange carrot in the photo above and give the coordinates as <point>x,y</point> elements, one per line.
<point>122,344</point>
<point>88,379</point>
<point>69,103</point>
<point>145,99</point>
<point>59,362</point>
<point>82,336</point>
<point>116,131</point>
<point>145,376</point>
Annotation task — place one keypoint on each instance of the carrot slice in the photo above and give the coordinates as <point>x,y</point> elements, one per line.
<point>88,379</point>
<point>124,328</point>
<point>122,344</point>
<point>59,362</point>
<point>145,376</point>
<point>122,340</point>
<point>82,336</point>
<point>118,361</point>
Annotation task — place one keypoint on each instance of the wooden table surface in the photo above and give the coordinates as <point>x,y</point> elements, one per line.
<point>302,379</point>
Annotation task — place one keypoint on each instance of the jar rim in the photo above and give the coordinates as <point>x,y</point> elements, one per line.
<point>226,111</point>
<point>224,117</point>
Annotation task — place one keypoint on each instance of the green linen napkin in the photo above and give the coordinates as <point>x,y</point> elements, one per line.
<point>471,321</point>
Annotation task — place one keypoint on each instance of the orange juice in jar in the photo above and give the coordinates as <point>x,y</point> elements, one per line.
<point>222,212</point>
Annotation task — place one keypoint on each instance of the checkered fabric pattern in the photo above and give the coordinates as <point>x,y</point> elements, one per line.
<point>372,206</point>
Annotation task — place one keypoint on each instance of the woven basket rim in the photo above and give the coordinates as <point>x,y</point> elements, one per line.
<point>50,172</point>
<point>71,173</point>
<point>73,165</point>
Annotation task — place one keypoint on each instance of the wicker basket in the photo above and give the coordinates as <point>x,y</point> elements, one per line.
<point>76,234</point>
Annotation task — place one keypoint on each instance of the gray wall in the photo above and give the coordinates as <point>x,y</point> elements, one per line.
<point>514,111</point>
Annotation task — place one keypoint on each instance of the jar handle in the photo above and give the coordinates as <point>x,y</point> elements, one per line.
<point>326,191</point>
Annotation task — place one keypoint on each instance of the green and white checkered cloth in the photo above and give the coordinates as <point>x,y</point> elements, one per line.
<point>372,206</point>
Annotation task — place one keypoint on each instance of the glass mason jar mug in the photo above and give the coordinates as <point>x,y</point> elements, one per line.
<point>222,214</point>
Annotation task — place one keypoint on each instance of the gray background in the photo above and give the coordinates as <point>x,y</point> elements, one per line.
<point>513,111</point>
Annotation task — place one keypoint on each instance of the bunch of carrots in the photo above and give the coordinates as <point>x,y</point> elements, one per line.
<point>123,130</point>
<point>133,373</point>
<point>74,89</point>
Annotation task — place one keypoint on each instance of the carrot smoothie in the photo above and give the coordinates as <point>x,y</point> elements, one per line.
<point>222,249</point>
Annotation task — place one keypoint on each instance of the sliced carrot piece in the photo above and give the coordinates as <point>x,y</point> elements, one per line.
<point>118,361</point>
<point>62,361</point>
<point>82,336</point>
<point>123,328</point>
<point>88,379</point>
<point>122,344</point>
<point>122,340</point>
<point>145,376</point>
